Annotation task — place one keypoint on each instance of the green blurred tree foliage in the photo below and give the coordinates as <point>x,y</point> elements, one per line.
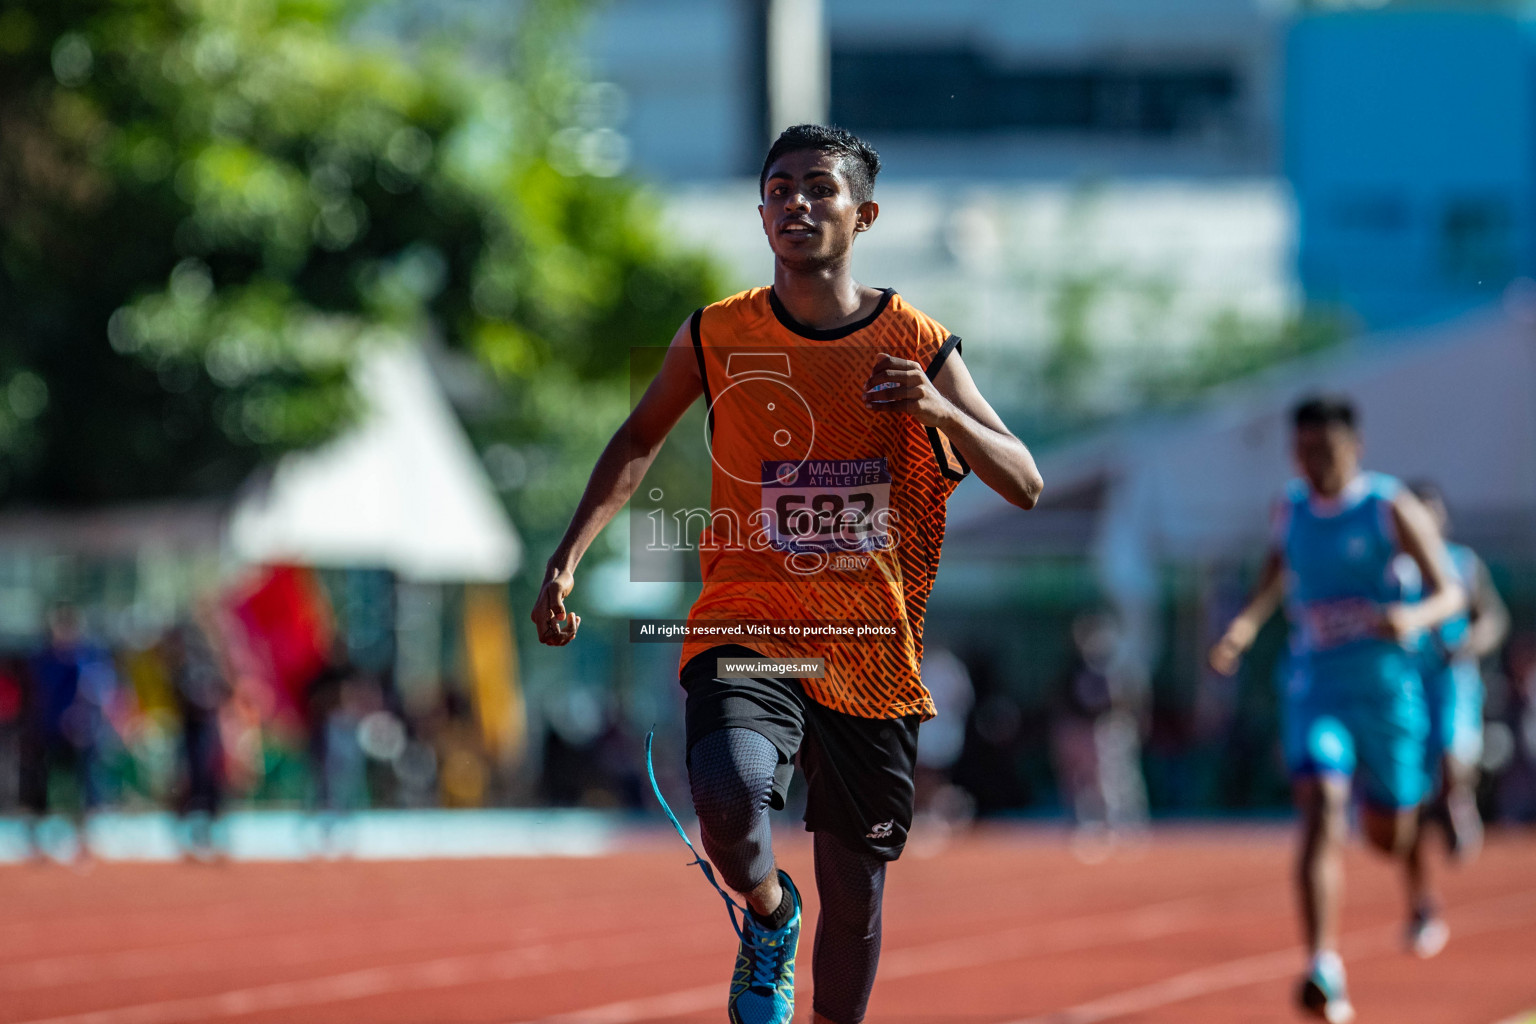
<point>208,208</point>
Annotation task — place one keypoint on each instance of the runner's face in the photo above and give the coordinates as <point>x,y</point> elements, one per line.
<point>809,211</point>
<point>1329,457</point>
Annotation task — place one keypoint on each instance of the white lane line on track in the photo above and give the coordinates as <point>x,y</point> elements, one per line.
<point>1528,1017</point>
<point>1104,929</point>
<point>444,972</point>
<point>277,950</point>
<point>1081,933</point>
<point>662,1007</point>
<point>1233,974</point>
<point>285,948</point>
<point>448,972</point>
<point>185,959</point>
<point>1485,916</point>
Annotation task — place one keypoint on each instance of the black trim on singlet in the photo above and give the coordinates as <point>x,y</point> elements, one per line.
<point>694,325</point>
<point>951,344</point>
<point>945,467</point>
<point>791,324</point>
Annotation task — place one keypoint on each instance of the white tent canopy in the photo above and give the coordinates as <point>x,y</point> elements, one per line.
<point>402,490</point>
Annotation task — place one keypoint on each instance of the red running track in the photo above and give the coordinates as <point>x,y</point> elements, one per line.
<point>1001,927</point>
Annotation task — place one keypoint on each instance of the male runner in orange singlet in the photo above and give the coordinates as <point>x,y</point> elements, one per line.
<point>841,418</point>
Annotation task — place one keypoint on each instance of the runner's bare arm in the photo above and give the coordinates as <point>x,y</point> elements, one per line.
<point>952,403</point>
<point>1420,539</point>
<point>1488,613</point>
<point>1228,652</point>
<point>615,478</point>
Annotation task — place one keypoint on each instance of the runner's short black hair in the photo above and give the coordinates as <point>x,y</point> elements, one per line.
<point>860,161</point>
<point>1324,411</point>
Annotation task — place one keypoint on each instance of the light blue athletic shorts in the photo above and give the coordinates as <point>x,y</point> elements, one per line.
<point>1360,713</point>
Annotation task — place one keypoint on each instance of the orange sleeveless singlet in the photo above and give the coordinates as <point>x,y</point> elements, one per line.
<point>823,512</point>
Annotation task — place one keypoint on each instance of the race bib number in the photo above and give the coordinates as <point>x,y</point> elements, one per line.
<point>827,504</point>
<point>1334,623</point>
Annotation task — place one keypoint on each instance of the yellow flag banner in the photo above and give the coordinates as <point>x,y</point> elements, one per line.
<point>147,673</point>
<point>490,650</point>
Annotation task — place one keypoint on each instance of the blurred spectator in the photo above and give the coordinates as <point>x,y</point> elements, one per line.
<point>1096,740</point>
<point>11,721</point>
<point>200,687</point>
<point>621,757</point>
<point>341,769</point>
<point>337,701</point>
<point>1511,748</point>
<point>941,739</point>
<point>591,759</point>
<point>463,772</point>
<point>993,766</point>
<point>67,725</point>
<point>321,699</point>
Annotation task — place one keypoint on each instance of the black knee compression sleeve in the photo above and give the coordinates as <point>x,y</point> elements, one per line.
<point>730,772</point>
<point>851,884</point>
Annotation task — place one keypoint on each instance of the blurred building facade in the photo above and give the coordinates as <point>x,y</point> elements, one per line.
<point>1384,154</point>
<point>962,90</point>
<point>1107,168</point>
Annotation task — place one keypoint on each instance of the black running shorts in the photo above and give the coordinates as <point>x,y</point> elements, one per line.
<point>858,771</point>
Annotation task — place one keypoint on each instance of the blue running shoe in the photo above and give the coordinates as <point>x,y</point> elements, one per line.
<point>1322,992</point>
<point>763,984</point>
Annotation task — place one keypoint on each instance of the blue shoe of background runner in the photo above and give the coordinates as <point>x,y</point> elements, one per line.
<point>1322,992</point>
<point>763,985</point>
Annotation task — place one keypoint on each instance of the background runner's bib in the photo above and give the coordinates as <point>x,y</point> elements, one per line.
<point>822,510</point>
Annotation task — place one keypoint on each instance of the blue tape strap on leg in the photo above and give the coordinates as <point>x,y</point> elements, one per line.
<point>709,873</point>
